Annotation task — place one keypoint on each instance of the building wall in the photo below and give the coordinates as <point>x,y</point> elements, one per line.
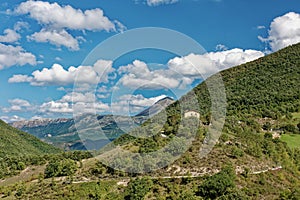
<point>192,114</point>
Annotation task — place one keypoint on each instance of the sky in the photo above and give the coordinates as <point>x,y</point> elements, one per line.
<point>58,57</point>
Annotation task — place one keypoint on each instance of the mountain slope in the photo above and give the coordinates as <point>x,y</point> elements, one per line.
<point>266,87</point>
<point>157,107</point>
<point>262,98</point>
<point>14,142</point>
<point>42,127</point>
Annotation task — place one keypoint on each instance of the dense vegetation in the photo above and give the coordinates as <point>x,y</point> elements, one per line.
<point>19,149</point>
<point>248,162</point>
<point>14,142</point>
<point>263,98</point>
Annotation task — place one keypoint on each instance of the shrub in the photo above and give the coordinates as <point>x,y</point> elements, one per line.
<point>65,167</point>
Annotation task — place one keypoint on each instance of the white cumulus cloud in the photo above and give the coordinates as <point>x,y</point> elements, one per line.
<point>17,105</point>
<point>56,107</point>
<point>133,103</point>
<point>213,62</point>
<point>182,71</point>
<point>75,101</point>
<point>160,2</point>
<point>57,75</point>
<point>15,55</point>
<point>57,38</point>
<point>284,31</point>
<point>10,36</point>
<point>57,21</point>
<point>138,75</point>
<point>57,16</point>
<point>10,119</point>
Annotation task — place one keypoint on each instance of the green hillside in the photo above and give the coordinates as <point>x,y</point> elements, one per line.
<point>262,95</point>
<point>14,142</point>
<point>263,100</point>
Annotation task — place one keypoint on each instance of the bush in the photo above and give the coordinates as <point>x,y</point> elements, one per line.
<point>290,128</point>
<point>138,188</point>
<point>218,184</point>
<point>65,167</point>
<point>236,152</point>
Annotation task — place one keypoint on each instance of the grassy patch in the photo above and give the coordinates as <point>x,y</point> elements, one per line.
<point>296,115</point>
<point>292,140</point>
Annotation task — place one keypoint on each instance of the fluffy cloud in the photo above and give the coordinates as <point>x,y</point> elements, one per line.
<point>284,31</point>
<point>57,38</point>
<point>133,103</point>
<point>10,36</point>
<point>193,65</point>
<point>160,2</point>
<point>79,102</point>
<point>57,20</point>
<point>17,105</point>
<point>182,71</point>
<point>57,75</point>
<point>57,16</point>
<point>86,102</point>
<point>15,55</point>
<point>10,119</point>
<point>138,75</point>
<point>78,97</point>
<point>233,57</point>
<point>210,63</point>
<point>56,107</point>
<point>221,47</point>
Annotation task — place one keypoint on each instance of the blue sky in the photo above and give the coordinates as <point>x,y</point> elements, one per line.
<point>44,43</point>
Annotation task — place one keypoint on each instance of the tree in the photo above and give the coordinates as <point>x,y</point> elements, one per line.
<point>267,126</point>
<point>65,167</point>
<point>290,128</point>
<point>53,168</point>
<point>218,184</point>
<point>138,188</point>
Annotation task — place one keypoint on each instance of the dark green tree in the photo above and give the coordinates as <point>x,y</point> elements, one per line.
<point>138,188</point>
<point>218,184</point>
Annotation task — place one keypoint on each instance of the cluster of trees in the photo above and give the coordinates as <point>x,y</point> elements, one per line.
<point>221,186</point>
<point>65,164</point>
<point>138,188</point>
<point>12,165</point>
<point>56,168</point>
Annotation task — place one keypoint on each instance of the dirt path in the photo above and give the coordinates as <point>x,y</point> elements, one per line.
<point>31,174</point>
<point>26,175</point>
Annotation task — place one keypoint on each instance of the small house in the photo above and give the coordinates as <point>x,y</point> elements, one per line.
<point>191,113</point>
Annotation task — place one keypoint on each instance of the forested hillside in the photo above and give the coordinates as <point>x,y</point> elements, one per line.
<point>14,142</point>
<point>256,157</point>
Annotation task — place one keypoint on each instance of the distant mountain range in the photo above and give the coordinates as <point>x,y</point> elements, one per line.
<point>62,132</point>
